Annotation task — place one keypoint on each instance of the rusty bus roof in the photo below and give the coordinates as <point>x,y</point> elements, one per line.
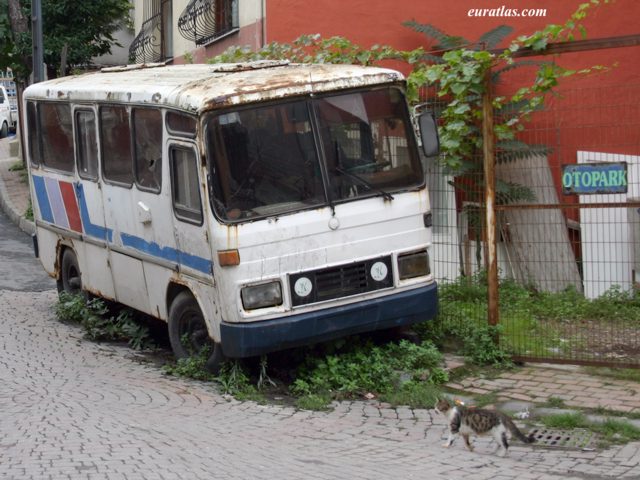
<point>197,88</point>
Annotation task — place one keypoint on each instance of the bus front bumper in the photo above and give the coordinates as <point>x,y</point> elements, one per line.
<point>395,310</point>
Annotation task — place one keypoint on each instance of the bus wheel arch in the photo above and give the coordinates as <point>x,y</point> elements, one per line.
<point>69,278</point>
<point>188,332</point>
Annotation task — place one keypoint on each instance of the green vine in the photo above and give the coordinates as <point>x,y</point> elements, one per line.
<point>460,79</point>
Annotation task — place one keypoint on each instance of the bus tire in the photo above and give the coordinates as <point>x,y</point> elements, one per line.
<point>4,131</point>
<point>70,279</point>
<point>188,332</point>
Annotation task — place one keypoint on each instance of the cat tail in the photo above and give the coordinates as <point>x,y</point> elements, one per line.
<point>517,433</point>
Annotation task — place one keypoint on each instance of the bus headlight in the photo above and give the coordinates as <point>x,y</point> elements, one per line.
<point>261,296</point>
<point>415,264</point>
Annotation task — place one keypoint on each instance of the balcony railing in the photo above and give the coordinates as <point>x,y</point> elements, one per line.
<point>152,42</point>
<point>205,20</point>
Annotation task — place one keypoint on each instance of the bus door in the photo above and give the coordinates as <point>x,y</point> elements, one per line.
<point>119,199</point>
<point>89,198</point>
<point>190,225</point>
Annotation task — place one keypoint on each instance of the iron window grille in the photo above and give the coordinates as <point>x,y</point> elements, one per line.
<point>153,42</point>
<point>202,21</point>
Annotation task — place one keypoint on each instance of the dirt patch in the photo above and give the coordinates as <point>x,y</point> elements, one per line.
<point>594,340</point>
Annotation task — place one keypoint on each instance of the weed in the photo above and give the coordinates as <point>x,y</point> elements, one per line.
<point>629,374</point>
<point>555,402</point>
<point>531,322</point>
<point>191,367</point>
<point>20,169</point>
<point>70,308</point>
<point>17,166</point>
<point>613,413</point>
<point>28,213</point>
<point>566,421</point>
<point>614,431</point>
<point>609,431</point>
<point>93,316</point>
<point>485,399</point>
<point>413,394</point>
<point>312,401</point>
<point>362,367</point>
<point>479,341</point>
<point>235,381</point>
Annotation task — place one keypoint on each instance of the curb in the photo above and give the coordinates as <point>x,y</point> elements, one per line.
<point>27,226</point>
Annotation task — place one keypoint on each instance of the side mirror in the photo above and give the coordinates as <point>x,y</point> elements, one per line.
<point>429,134</point>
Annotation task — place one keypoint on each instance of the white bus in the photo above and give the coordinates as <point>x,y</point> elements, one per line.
<point>253,207</point>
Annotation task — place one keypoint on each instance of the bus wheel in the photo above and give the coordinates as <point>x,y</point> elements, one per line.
<point>70,277</point>
<point>188,332</point>
<point>4,131</point>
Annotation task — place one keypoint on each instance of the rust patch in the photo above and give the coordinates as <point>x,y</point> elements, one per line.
<point>98,293</point>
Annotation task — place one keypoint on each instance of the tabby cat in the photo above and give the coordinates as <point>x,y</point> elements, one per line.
<point>478,421</point>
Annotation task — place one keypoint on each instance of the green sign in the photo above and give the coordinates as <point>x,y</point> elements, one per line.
<point>592,178</point>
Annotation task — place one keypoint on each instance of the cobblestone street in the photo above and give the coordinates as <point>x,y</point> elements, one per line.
<point>73,409</point>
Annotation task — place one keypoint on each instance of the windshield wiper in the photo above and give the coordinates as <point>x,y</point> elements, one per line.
<point>364,182</point>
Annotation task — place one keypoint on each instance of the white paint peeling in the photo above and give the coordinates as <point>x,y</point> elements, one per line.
<point>198,88</point>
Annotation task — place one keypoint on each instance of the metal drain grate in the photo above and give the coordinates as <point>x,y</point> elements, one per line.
<point>577,439</point>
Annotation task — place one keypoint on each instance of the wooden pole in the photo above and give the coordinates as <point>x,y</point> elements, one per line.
<point>488,142</point>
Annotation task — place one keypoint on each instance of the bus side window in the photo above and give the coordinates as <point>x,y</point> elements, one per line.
<point>184,185</point>
<point>57,136</point>
<point>147,132</point>
<point>115,135</point>
<point>86,144</point>
<point>182,125</point>
<point>35,148</point>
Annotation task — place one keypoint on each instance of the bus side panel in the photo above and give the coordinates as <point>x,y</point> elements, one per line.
<point>128,277</point>
<point>157,279</point>
<point>47,243</point>
<point>96,272</point>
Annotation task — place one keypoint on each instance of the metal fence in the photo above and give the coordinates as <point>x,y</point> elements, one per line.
<point>568,250</point>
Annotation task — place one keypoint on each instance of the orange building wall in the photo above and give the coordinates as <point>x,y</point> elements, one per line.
<point>369,22</point>
<point>588,117</point>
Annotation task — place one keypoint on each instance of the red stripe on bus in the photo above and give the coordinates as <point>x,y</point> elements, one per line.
<point>71,206</point>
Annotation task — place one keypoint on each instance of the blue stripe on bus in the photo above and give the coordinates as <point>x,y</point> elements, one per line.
<point>90,229</point>
<point>43,199</point>
<point>167,253</point>
<point>195,262</point>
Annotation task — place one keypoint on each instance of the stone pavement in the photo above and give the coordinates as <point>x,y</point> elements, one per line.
<point>73,409</point>
<point>78,410</point>
<point>572,384</point>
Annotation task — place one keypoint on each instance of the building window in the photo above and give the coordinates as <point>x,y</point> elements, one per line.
<point>202,21</point>
<point>153,42</point>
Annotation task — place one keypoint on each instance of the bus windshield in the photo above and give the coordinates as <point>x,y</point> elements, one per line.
<point>278,158</point>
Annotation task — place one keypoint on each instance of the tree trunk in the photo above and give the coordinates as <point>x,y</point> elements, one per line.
<point>19,25</point>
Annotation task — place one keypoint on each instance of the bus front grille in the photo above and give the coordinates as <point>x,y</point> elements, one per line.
<point>340,281</point>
